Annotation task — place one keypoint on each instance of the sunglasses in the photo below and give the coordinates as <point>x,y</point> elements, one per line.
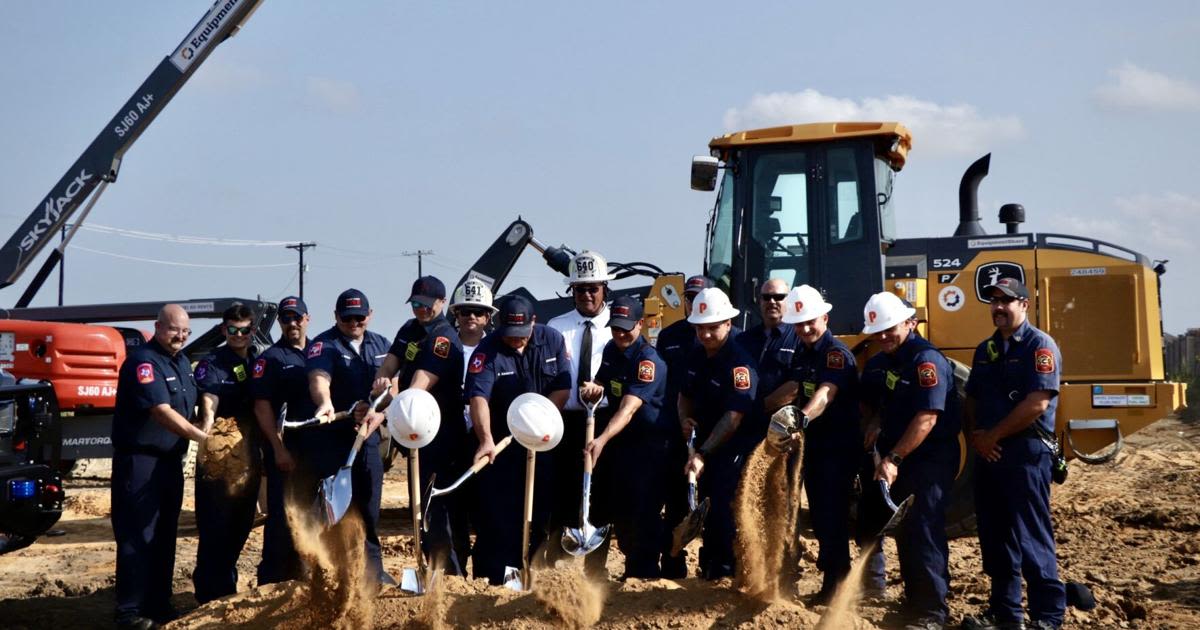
<point>357,319</point>
<point>239,331</point>
<point>585,288</point>
<point>774,297</point>
<point>1002,299</point>
<point>471,312</point>
<point>416,304</point>
<point>290,319</point>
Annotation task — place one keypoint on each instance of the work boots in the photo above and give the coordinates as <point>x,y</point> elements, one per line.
<point>987,621</point>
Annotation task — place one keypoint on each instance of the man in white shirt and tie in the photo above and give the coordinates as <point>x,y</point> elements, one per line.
<point>585,330</point>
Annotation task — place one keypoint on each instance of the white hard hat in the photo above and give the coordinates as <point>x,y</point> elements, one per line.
<point>804,303</point>
<point>711,306</point>
<point>473,292</point>
<point>588,267</point>
<point>884,310</point>
<point>535,422</point>
<point>413,418</point>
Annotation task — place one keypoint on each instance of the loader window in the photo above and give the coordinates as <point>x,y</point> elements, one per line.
<point>779,218</point>
<point>845,220</point>
<point>720,253</point>
<point>884,178</point>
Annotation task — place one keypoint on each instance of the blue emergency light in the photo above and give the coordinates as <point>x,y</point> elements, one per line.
<point>22,488</point>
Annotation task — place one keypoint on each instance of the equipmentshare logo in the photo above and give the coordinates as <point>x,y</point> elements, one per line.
<point>204,34</point>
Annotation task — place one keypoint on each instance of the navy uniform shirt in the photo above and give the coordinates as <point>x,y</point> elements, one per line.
<point>1001,379</point>
<point>351,372</point>
<point>407,347</point>
<point>227,376</point>
<point>914,378</point>
<point>725,382</point>
<point>149,377</point>
<point>673,345</point>
<point>635,371</point>
<point>500,374</point>
<point>441,354</point>
<point>279,375</point>
<point>772,351</point>
<point>828,361</point>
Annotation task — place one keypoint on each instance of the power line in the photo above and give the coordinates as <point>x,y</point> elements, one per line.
<point>176,263</point>
<point>182,239</point>
<point>300,247</point>
<point>419,254</point>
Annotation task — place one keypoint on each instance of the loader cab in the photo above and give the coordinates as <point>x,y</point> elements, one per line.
<point>808,204</point>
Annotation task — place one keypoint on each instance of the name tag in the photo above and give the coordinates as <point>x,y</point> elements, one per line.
<point>506,374</point>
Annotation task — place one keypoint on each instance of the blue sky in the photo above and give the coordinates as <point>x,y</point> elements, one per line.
<point>374,128</point>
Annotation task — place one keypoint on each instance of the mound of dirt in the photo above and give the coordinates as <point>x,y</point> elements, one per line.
<point>227,455</point>
<point>765,507</point>
<point>569,595</point>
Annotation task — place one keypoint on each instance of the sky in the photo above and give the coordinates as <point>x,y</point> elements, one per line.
<point>378,128</point>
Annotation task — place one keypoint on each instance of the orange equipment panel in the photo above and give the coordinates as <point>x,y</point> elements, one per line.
<point>80,360</point>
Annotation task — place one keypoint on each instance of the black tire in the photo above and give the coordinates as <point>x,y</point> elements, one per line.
<point>960,513</point>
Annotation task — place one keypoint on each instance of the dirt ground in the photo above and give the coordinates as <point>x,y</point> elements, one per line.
<point>1129,529</point>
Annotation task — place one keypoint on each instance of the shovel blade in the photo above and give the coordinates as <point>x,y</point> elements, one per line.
<point>336,492</point>
<point>584,540</point>
<point>410,582</point>
<point>897,517</point>
<point>690,527</point>
<point>512,579</point>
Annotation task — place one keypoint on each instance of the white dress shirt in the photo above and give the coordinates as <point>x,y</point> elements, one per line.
<point>571,324</point>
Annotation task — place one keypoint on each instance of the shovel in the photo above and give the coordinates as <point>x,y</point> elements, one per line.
<point>476,467</point>
<point>283,425</point>
<point>336,490</point>
<point>898,511</point>
<point>693,523</point>
<point>411,579</point>
<point>584,540</point>
<point>520,581</point>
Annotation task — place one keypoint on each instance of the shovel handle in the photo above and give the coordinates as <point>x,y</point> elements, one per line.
<point>414,492</point>
<point>358,442</point>
<point>483,461</point>
<point>589,434</point>
<point>530,462</point>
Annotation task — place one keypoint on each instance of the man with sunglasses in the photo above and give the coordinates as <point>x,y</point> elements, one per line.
<point>279,377</point>
<point>772,343</point>
<point>342,363</point>
<point>152,423</point>
<point>224,515</point>
<point>427,299</point>
<point>585,331</point>
<point>1012,393</point>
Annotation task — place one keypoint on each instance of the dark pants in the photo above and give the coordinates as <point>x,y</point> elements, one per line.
<point>921,539</point>
<point>147,492</point>
<point>830,465</point>
<point>872,516</point>
<point>500,513</point>
<point>1016,536</point>
<point>568,478</point>
<point>280,562</point>
<point>628,493</point>
<point>718,482</point>
<point>675,504</point>
<point>446,543</point>
<point>223,522</point>
<point>367,481</point>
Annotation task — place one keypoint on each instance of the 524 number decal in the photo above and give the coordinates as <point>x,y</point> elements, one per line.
<point>946,263</point>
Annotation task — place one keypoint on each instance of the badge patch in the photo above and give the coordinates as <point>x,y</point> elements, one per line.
<point>476,363</point>
<point>892,379</point>
<point>646,371</point>
<point>834,360</point>
<point>1043,361</point>
<point>810,388</point>
<point>927,374</point>
<point>410,351</point>
<point>441,347</point>
<point>239,371</point>
<point>201,370</point>
<point>741,378</point>
<point>314,350</point>
<point>260,366</point>
<point>145,373</point>
<point>616,388</point>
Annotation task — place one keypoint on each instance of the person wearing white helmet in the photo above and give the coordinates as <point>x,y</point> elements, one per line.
<point>823,380</point>
<point>772,343</point>
<point>717,395</point>
<point>472,310</point>
<point>585,331</point>
<point>914,410</point>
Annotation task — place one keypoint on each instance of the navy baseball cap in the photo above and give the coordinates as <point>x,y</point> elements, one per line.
<point>625,312</point>
<point>696,284</point>
<point>293,304</point>
<point>426,290</point>
<point>352,302</point>
<point>1010,287</point>
<point>515,318</point>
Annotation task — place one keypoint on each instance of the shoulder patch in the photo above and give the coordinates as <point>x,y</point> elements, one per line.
<point>441,347</point>
<point>645,371</point>
<point>741,378</point>
<point>145,373</point>
<point>314,350</point>
<point>835,360</point>
<point>1043,361</point>
<point>200,373</point>
<point>260,366</point>
<point>927,374</point>
<point>477,363</point>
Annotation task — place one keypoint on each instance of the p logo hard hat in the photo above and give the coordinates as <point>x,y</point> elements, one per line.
<point>711,306</point>
<point>535,422</point>
<point>884,310</point>
<point>413,418</point>
<point>803,304</point>
<point>588,267</point>
<point>473,292</point>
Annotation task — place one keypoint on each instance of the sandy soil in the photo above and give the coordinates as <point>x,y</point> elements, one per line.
<point>1129,529</point>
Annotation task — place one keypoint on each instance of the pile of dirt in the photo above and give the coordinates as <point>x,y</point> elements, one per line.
<point>841,610</point>
<point>568,594</point>
<point>228,456</point>
<point>765,507</point>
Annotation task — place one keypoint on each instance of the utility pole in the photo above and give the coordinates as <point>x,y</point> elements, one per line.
<point>419,253</point>
<point>300,247</point>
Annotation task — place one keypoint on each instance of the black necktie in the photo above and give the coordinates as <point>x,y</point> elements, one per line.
<point>585,354</point>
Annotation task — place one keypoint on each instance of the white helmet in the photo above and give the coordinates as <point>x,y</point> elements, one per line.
<point>711,306</point>
<point>535,422</point>
<point>804,303</point>
<point>588,267</point>
<point>413,418</point>
<point>884,310</point>
<point>473,292</point>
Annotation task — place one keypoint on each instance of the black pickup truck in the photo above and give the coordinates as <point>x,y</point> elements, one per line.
<point>31,490</point>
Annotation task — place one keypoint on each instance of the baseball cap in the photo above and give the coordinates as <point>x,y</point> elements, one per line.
<point>1008,286</point>
<point>293,304</point>
<point>426,290</point>
<point>625,312</point>
<point>352,302</point>
<point>515,318</point>
<point>696,284</point>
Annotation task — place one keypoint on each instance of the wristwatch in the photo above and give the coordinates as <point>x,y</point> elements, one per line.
<point>896,458</point>
<point>699,450</point>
